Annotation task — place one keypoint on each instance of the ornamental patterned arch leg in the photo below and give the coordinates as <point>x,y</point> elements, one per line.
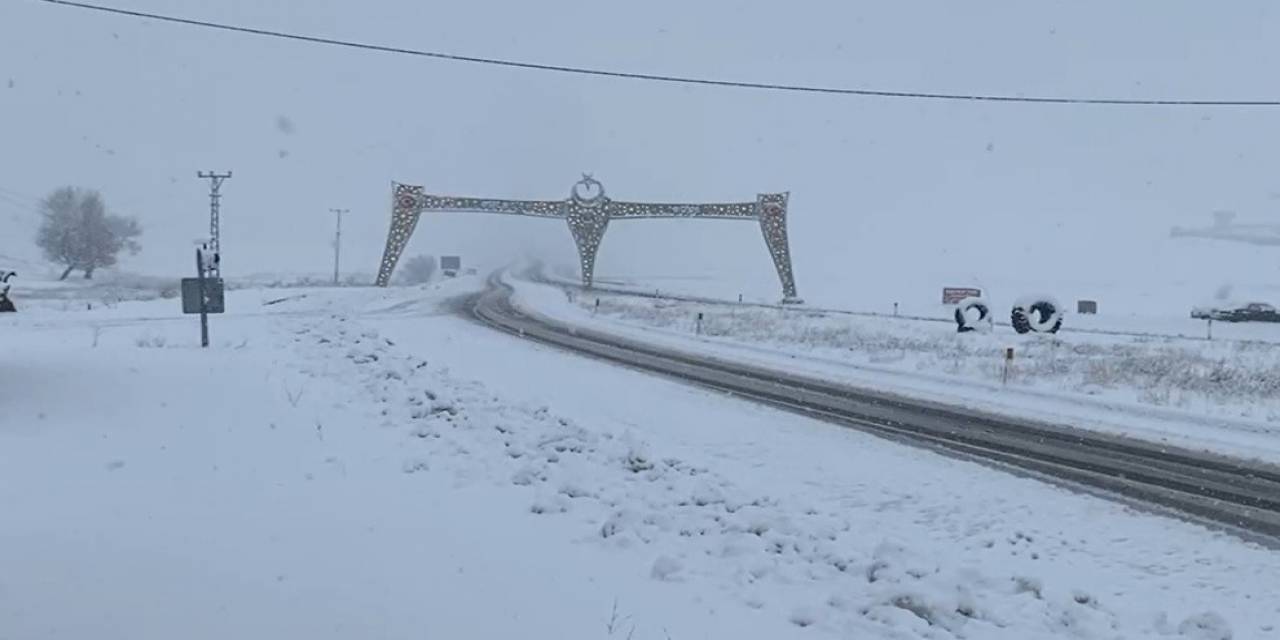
<point>773,222</point>
<point>405,209</point>
<point>587,223</point>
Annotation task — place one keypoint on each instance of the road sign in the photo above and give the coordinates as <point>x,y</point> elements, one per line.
<point>213,303</point>
<point>952,295</point>
<point>450,265</point>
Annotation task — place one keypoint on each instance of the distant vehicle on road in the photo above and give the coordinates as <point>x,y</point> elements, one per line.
<point>1248,312</point>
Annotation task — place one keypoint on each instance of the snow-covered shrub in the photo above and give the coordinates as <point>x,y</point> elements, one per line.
<point>150,342</point>
<point>418,269</point>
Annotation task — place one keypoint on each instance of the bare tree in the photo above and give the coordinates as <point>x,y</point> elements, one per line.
<point>418,269</point>
<point>77,231</point>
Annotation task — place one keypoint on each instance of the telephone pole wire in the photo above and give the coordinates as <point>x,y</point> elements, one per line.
<point>337,242</point>
<point>215,183</point>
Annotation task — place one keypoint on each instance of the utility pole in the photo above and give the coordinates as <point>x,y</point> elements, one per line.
<point>215,183</point>
<point>337,242</point>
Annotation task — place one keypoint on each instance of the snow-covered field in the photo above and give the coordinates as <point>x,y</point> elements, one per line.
<point>368,463</point>
<point>1165,320</point>
<point>1222,394</point>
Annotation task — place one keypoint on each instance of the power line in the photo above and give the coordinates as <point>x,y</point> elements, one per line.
<point>18,205</point>
<point>14,194</point>
<point>18,214</point>
<point>689,80</point>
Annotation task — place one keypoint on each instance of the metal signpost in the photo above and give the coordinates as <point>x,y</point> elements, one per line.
<point>204,293</point>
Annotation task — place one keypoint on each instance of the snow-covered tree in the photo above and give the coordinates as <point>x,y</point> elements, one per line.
<point>77,231</point>
<point>418,269</point>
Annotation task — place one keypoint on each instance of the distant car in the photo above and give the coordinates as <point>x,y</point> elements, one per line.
<point>1250,312</point>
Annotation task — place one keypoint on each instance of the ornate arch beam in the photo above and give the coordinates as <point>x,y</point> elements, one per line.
<point>588,212</point>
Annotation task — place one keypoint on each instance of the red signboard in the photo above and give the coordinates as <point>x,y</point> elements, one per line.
<point>952,295</point>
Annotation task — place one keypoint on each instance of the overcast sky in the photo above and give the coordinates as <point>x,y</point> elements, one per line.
<point>902,193</point>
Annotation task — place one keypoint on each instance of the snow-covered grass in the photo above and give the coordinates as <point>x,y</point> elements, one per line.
<point>1217,395</point>
<point>107,288</point>
<point>1237,378</point>
<point>115,290</point>
<point>745,499</point>
<point>1161,322</point>
<point>155,490</point>
<point>296,280</point>
<point>372,464</point>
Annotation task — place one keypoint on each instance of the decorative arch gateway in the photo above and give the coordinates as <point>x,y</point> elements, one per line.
<point>588,212</point>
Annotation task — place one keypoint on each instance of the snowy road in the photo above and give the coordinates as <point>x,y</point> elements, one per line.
<point>362,463</point>
<point>1219,396</point>
<point>1229,491</point>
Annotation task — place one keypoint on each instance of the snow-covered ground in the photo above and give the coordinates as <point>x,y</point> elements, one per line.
<point>369,463</point>
<point>1163,321</point>
<point>111,288</point>
<point>1222,395</point>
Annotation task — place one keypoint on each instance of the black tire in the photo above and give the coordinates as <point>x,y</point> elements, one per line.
<point>1019,320</point>
<point>962,313</point>
<point>1032,318</point>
